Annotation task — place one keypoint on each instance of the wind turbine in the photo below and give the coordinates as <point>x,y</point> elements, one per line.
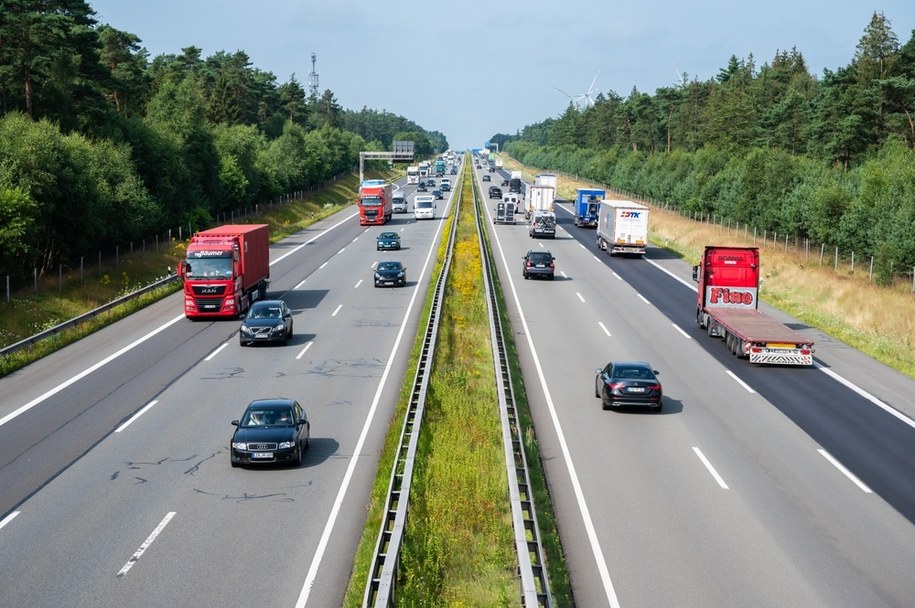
<point>585,98</point>
<point>589,101</point>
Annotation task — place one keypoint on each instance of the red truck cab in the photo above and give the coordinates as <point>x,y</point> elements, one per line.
<point>376,206</point>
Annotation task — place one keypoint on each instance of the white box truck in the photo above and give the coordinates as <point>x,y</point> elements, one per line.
<point>622,227</point>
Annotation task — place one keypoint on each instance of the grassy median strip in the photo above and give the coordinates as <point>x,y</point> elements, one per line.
<point>458,548</point>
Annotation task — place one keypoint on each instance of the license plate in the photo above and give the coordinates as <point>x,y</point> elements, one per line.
<point>636,389</point>
<point>541,265</point>
<point>260,336</point>
<point>261,455</point>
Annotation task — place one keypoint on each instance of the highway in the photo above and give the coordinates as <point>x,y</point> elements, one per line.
<point>117,489</point>
<point>756,486</point>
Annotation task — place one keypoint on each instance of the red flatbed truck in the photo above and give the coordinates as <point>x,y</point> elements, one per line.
<point>225,270</point>
<point>727,307</point>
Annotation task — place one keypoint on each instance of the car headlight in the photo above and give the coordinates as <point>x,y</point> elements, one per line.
<point>285,445</point>
<point>399,275</point>
<point>245,329</point>
<point>278,329</point>
<point>239,446</point>
<point>377,276</point>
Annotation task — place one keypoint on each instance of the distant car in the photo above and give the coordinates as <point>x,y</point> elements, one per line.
<point>453,170</point>
<point>390,273</point>
<point>622,383</point>
<point>438,194</point>
<point>492,169</point>
<point>421,187</point>
<point>505,183</point>
<point>270,431</point>
<point>486,177</point>
<point>495,192</point>
<point>445,185</point>
<point>387,240</point>
<point>430,183</point>
<point>266,321</point>
<point>538,263</point>
<point>479,166</point>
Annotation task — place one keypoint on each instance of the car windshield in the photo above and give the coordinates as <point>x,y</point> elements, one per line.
<point>389,266</point>
<point>265,311</point>
<point>539,257</point>
<point>387,235</point>
<point>267,417</point>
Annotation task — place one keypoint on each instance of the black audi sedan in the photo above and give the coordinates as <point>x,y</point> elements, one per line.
<point>270,431</point>
<point>266,321</point>
<point>390,273</point>
<point>624,383</point>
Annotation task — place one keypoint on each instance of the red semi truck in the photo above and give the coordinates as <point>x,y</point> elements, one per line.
<point>225,270</point>
<point>375,204</point>
<point>727,303</point>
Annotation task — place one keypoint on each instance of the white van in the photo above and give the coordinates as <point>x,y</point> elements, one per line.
<point>399,202</point>
<point>424,207</point>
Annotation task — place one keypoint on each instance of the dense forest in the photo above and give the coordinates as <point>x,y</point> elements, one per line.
<point>101,145</point>
<point>773,147</point>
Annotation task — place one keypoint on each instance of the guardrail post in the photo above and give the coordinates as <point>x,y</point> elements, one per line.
<point>81,269</point>
<point>35,278</point>
<point>60,278</point>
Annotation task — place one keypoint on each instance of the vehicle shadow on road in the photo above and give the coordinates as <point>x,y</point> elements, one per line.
<point>320,449</point>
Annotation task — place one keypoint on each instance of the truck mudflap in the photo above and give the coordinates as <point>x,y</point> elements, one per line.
<point>781,356</point>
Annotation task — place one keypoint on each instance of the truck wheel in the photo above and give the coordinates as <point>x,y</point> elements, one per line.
<point>700,318</point>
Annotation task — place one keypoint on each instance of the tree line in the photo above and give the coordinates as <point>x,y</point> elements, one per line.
<point>829,159</point>
<point>101,145</point>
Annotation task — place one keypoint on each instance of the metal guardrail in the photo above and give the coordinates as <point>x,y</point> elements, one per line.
<point>380,588</point>
<point>85,316</point>
<point>535,590</point>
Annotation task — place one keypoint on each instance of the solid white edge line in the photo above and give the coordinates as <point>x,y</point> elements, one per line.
<point>304,350</point>
<point>604,327</point>
<point>137,415</point>
<point>711,469</point>
<point>149,540</point>
<point>739,381</point>
<point>336,310</point>
<point>845,471</point>
<point>844,381</point>
<point>685,335</point>
<point>216,352</point>
<point>347,477</point>
<point>596,550</point>
<point>848,384</point>
<point>9,518</point>
<point>580,297</point>
<point>87,371</point>
<point>137,342</point>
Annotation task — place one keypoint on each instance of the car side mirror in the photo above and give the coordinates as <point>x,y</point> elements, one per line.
<point>234,423</point>
<point>656,372</point>
<point>598,371</point>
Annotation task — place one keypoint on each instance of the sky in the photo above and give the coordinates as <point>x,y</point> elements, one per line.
<point>472,69</point>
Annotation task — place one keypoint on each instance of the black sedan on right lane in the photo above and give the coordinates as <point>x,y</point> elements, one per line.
<point>624,383</point>
<point>390,273</point>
